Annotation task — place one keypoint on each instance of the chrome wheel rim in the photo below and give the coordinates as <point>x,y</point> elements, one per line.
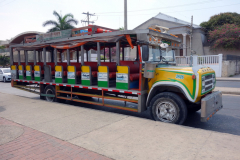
<point>166,111</point>
<point>50,99</point>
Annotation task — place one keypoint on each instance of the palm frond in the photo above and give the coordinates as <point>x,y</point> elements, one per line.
<point>67,16</point>
<point>50,22</point>
<point>59,17</point>
<point>53,29</point>
<point>72,21</point>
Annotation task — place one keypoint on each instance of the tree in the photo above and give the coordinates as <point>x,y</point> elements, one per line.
<point>121,28</point>
<point>62,23</point>
<point>4,60</point>
<point>225,37</point>
<point>2,47</point>
<point>219,20</point>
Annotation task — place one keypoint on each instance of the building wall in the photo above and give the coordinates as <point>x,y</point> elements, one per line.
<point>197,43</point>
<point>207,51</point>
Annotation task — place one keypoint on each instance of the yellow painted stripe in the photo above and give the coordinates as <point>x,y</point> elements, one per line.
<point>20,67</point>
<point>13,67</point>
<point>28,67</point>
<point>37,68</point>
<point>102,69</point>
<point>122,69</point>
<point>71,68</point>
<point>85,69</point>
<point>58,68</point>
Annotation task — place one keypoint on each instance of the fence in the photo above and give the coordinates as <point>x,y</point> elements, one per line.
<point>213,61</point>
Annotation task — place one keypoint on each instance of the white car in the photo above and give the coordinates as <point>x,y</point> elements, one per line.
<point>5,74</point>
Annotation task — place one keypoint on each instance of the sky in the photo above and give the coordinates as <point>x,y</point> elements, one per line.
<point>18,16</point>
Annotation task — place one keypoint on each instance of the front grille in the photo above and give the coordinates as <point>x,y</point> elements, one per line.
<point>208,76</point>
<point>208,82</point>
<point>208,88</point>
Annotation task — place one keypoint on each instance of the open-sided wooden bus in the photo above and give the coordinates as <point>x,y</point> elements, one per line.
<point>102,66</point>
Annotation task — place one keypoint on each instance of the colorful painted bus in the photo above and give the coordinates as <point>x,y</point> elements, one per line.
<point>132,70</point>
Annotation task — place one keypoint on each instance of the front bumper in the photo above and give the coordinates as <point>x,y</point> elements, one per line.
<point>210,105</point>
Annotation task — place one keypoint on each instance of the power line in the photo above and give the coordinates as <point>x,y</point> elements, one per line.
<point>88,18</point>
<point>202,2</point>
<point>176,11</point>
<point>2,1</point>
<point>8,3</point>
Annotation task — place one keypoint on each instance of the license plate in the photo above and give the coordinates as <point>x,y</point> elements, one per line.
<point>210,105</point>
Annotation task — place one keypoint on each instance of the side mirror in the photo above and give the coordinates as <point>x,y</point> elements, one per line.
<point>145,52</point>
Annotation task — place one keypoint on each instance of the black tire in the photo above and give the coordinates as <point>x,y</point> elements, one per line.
<point>4,80</point>
<point>50,90</point>
<point>176,109</point>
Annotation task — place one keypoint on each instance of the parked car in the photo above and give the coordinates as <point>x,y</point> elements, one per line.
<point>5,74</point>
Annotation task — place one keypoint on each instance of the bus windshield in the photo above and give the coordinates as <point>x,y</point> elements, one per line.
<point>157,54</point>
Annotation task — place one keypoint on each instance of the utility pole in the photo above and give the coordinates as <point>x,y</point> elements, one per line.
<point>191,30</point>
<point>125,14</point>
<point>88,18</point>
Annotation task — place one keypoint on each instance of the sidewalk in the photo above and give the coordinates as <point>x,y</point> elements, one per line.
<point>113,135</point>
<point>228,90</point>
<point>234,78</point>
<point>21,142</point>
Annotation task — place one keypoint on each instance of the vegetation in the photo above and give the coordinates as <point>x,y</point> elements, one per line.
<point>62,23</point>
<point>226,36</point>
<point>2,47</point>
<point>219,20</point>
<point>223,31</point>
<point>4,61</point>
<point>121,28</point>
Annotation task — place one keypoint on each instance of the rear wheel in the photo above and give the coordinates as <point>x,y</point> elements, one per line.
<point>50,90</point>
<point>168,107</point>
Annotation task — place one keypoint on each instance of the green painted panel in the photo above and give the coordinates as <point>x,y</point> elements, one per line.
<point>120,85</point>
<point>29,78</point>
<point>71,81</point>
<point>37,78</point>
<point>20,76</point>
<point>102,83</point>
<point>86,82</point>
<point>58,80</point>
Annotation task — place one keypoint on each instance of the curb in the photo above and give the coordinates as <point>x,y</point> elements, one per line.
<point>229,92</point>
<point>237,80</point>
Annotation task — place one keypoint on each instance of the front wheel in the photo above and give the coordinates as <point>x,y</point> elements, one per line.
<point>168,107</point>
<point>4,80</point>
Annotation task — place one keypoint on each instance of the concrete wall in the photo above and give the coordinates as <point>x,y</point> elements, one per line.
<point>207,51</point>
<point>229,68</point>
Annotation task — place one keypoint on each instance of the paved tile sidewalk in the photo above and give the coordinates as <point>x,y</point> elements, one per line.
<point>32,144</point>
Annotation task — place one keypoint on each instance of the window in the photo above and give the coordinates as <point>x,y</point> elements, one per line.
<point>6,70</point>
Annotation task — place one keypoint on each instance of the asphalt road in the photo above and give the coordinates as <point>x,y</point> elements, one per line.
<point>225,121</point>
<point>231,84</point>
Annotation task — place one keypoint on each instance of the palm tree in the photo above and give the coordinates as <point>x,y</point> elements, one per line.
<point>62,23</point>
